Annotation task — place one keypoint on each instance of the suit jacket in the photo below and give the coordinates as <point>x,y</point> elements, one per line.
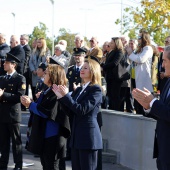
<point>85,130</point>
<point>4,48</point>
<point>161,112</point>
<point>161,82</point>
<point>19,52</point>
<point>73,76</point>
<point>96,52</point>
<point>10,106</point>
<point>27,50</point>
<point>111,65</point>
<point>49,106</point>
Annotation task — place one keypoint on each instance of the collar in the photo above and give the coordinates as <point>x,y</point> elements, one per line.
<point>11,73</point>
<point>79,67</point>
<point>85,85</point>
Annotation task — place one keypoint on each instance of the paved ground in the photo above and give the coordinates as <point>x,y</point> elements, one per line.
<point>37,166</point>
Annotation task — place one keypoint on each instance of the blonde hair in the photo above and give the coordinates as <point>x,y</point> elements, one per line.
<point>95,71</point>
<point>44,47</point>
<point>57,74</point>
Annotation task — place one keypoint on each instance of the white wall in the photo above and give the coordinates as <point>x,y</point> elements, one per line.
<point>132,136</point>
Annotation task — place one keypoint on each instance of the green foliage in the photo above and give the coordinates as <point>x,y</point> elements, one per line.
<point>40,32</point>
<point>152,15</point>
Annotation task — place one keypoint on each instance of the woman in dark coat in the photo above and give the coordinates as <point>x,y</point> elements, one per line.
<point>50,126</point>
<point>110,68</point>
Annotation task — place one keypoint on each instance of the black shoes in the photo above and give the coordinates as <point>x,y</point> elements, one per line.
<point>17,169</point>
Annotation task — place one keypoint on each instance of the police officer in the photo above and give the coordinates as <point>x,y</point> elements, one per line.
<point>12,86</point>
<point>40,73</point>
<point>73,73</point>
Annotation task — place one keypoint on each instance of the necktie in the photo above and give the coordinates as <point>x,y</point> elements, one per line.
<point>8,77</point>
<point>77,69</point>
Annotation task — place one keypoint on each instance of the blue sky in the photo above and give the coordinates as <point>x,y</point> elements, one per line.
<point>87,17</point>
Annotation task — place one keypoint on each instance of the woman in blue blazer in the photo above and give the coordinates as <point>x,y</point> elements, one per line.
<point>84,105</point>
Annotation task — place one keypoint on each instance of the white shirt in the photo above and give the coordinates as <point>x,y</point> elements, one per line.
<point>83,88</point>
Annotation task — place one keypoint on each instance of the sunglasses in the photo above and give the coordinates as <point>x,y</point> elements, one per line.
<point>92,41</point>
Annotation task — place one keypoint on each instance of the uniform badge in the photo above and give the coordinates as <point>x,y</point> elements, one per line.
<point>70,73</point>
<point>23,86</point>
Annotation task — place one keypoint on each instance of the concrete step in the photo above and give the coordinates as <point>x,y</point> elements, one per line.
<point>109,157</point>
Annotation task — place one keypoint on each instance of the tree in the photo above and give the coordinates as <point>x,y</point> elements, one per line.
<point>69,37</point>
<point>40,32</point>
<point>152,15</point>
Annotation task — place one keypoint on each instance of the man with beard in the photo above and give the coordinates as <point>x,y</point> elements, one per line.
<point>73,74</point>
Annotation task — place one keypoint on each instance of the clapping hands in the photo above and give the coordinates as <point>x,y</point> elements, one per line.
<point>144,97</point>
<point>25,100</point>
<point>60,90</point>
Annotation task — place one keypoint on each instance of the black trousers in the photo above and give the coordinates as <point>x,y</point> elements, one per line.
<point>84,159</point>
<point>113,93</point>
<point>162,165</point>
<point>126,96</point>
<point>10,131</point>
<point>52,152</point>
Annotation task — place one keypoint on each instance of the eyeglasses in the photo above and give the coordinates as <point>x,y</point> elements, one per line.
<point>139,37</point>
<point>167,42</point>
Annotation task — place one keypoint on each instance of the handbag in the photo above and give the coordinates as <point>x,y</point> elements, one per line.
<point>123,73</point>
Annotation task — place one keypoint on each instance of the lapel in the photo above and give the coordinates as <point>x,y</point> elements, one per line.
<point>76,93</point>
<point>83,93</point>
<point>165,91</point>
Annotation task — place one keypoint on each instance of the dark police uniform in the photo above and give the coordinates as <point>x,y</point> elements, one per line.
<point>10,116</point>
<point>40,84</point>
<point>73,74</point>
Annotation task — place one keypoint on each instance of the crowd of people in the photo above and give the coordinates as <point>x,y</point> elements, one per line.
<point>68,92</point>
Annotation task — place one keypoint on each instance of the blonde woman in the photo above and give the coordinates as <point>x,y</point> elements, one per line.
<point>84,105</point>
<point>38,56</point>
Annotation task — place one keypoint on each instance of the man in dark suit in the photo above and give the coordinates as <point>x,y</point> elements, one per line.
<point>24,43</point>
<point>12,86</point>
<point>18,52</point>
<point>159,110</point>
<point>162,78</point>
<point>4,48</point>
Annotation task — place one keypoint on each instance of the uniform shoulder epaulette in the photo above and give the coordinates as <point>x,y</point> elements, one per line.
<point>71,66</point>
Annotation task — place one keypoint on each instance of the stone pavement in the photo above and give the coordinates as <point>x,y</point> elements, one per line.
<point>27,158</point>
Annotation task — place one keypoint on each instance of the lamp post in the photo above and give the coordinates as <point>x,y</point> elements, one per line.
<point>85,18</point>
<point>13,14</point>
<point>52,51</point>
